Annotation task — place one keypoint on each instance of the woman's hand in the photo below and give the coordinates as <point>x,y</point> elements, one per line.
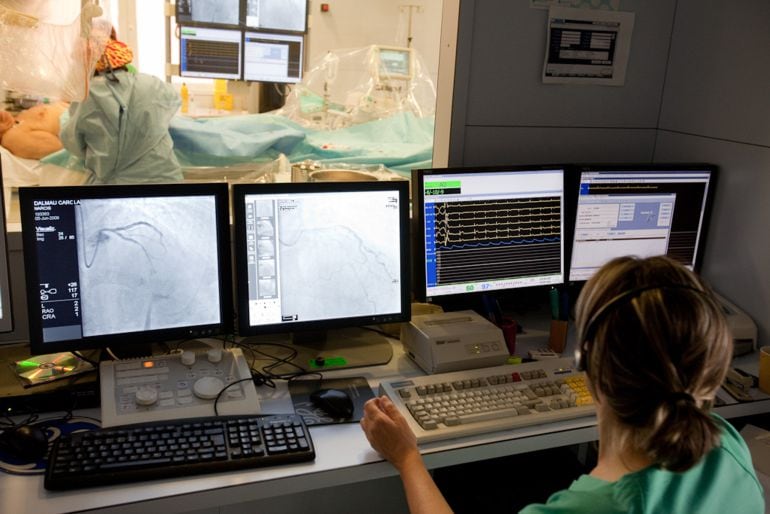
<point>388,432</point>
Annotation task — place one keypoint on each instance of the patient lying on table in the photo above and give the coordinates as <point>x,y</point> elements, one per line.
<point>34,133</point>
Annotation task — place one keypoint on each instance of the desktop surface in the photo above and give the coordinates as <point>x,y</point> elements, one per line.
<point>343,456</point>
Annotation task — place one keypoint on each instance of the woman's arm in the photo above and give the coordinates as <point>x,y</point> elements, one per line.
<point>389,434</point>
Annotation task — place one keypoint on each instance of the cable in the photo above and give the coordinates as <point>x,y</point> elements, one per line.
<point>225,388</point>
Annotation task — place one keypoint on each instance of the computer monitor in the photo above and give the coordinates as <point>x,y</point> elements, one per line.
<point>280,15</point>
<point>210,12</point>
<point>117,266</point>
<point>210,53</point>
<point>394,63</point>
<point>272,57</point>
<point>484,230</point>
<point>641,210</point>
<point>271,15</point>
<point>6,315</point>
<point>312,257</point>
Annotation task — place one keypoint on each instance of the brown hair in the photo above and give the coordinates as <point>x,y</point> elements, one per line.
<point>656,346</point>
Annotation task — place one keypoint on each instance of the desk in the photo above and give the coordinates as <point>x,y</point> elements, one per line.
<point>344,457</point>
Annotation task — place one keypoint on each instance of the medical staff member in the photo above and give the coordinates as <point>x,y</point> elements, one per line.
<point>121,129</point>
<point>655,348</point>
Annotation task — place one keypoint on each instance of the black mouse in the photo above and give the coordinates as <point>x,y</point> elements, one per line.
<point>26,442</point>
<point>334,402</point>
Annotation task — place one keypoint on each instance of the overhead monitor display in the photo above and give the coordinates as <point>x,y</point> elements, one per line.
<point>283,15</point>
<point>641,211</point>
<point>210,53</point>
<point>272,57</point>
<point>215,12</point>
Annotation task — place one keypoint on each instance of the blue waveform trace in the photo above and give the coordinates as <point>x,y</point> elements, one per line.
<point>500,243</point>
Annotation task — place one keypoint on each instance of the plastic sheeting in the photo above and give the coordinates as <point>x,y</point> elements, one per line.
<point>348,87</point>
<point>47,59</point>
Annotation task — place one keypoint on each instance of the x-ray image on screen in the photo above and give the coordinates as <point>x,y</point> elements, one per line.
<point>332,263</point>
<point>277,14</point>
<point>224,12</point>
<point>145,264</point>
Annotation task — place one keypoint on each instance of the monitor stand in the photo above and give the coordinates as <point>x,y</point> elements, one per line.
<point>329,350</point>
<point>341,348</point>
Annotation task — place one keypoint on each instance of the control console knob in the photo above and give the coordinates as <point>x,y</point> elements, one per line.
<point>208,388</point>
<point>188,358</point>
<point>214,355</point>
<point>146,396</point>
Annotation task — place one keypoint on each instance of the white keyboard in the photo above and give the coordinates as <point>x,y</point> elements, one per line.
<point>476,401</point>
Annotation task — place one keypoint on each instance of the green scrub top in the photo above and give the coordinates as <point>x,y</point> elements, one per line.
<point>724,481</point>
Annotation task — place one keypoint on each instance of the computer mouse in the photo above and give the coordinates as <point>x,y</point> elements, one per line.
<point>27,442</point>
<point>334,402</point>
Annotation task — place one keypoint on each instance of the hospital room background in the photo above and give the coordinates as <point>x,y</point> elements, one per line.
<point>696,90</point>
<point>344,115</point>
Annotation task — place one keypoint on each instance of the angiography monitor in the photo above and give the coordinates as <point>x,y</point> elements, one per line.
<point>487,229</point>
<point>641,210</point>
<point>211,12</point>
<point>278,15</point>
<point>315,258</point>
<point>272,57</point>
<point>115,266</point>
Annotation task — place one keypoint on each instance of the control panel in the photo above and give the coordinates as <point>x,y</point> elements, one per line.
<point>179,385</point>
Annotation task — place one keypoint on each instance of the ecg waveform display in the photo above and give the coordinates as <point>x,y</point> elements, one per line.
<point>479,241</point>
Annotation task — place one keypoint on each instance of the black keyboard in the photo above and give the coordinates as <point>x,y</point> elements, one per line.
<point>164,449</point>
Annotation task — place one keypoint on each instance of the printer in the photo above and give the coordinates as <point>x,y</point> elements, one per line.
<point>742,327</point>
<point>453,341</point>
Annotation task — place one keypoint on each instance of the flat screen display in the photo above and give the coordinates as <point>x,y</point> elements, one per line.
<point>321,255</point>
<point>113,265</point>
<point>210,53</point>
<point>272,57</point>
<point>483,230</point>
<point>640,210</point>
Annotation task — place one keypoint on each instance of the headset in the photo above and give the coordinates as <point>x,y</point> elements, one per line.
<point>581,357</point>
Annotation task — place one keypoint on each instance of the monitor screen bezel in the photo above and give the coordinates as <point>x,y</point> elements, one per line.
<point>418,228</point>
<point>6,314</point>
<point>220,192</point>
<point>662,168</point>
<point>240,191</point>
